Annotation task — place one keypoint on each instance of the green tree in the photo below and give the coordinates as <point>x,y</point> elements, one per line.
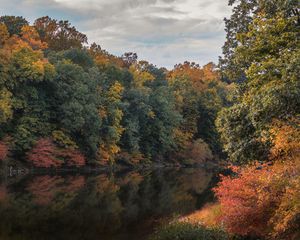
<point>269,52</point>
<point>76,103</point>
<point>243,13</point>
<point>59,35</point>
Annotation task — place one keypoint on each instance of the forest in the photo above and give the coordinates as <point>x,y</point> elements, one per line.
<point>65,103</point>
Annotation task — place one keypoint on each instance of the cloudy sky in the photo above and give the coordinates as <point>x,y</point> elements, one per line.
<point>164,32</point>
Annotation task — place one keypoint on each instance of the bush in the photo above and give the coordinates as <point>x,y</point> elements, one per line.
<point>46,154</point>
<point>43,154</point>
<point>197,152</point>
<point>263,200</point>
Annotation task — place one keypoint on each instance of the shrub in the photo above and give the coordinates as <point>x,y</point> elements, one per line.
<point>262,200</point>
<point>43,154</point>
<point>72,157</point>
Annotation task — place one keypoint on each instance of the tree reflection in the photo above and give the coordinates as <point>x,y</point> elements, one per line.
<point>44,189</point>
<point>104,206</point>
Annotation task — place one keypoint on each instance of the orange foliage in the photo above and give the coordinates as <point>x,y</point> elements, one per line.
<point>197,76</point>
<point>264,200</point>
<point>286,140</point>
<point>207,216</point>
<point>251,201</point>
<point>31,36</point>
<point>3,151</point>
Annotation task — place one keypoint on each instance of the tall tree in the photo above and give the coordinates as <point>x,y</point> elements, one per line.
<point>59,35</point>
<point>14,24</point>
<point>270,50</point>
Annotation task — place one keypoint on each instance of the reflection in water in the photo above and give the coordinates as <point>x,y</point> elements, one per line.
<point>106,206</point>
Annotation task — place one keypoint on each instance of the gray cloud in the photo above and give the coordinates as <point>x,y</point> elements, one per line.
<point>164,32</point>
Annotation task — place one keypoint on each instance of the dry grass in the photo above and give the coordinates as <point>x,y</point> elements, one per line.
<point>207,216</point>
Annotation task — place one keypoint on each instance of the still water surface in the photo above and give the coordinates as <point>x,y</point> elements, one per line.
<point>119,206</point>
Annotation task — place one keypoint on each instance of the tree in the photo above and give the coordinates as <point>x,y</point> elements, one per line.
<point>59,35</point>
<point>76,102</point>
<point>14,24</point>
<point>4,34</point>
<point>31,36</point>
<point>269,53</point>
<point>111,114</point>
<point>5,105</point>
<point>129,58</point>
<point>243,13</point>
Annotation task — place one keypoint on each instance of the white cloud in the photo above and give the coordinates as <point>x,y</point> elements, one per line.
<point>164,32</point>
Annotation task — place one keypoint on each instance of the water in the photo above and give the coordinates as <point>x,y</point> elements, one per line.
<point>122,206</point>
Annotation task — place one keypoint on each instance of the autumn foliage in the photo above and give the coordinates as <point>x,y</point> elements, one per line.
<point>46,154</point>
<point>73,157</point>
<point>263,200</point>
<point>44,189</point>
<point>43,154</point>
<point>3,151</point>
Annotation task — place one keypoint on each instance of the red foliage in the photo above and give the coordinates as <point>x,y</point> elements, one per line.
<point>3,151</point>
<point>43,188</point>
<point>46,188</point>
<point>251,202</point>
<point>43,154</point>
<point>73,157</point>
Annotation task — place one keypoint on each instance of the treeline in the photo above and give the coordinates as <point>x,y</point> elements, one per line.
<point>65,103</point>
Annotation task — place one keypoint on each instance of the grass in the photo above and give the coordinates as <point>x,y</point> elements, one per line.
<point>187,231</point>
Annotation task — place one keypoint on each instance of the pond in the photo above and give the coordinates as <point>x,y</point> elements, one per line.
<point>106,206</point>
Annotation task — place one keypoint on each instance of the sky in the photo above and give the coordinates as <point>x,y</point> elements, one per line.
<point>163,32</point>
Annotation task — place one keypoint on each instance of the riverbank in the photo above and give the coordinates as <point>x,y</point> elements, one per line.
<point>20,169</point>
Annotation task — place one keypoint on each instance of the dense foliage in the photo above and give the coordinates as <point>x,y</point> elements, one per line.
<point>260,131</point>
<point>64,104</point>
<point>60,97</point>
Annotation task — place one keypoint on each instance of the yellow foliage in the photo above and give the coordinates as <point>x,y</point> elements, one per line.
<point>182,138</point>
<point>115,92</point>
<point>4,35</point>
<point>63,140</point>
<point>151,114</point>
<point>5,105</point>
<point>140,77</point>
